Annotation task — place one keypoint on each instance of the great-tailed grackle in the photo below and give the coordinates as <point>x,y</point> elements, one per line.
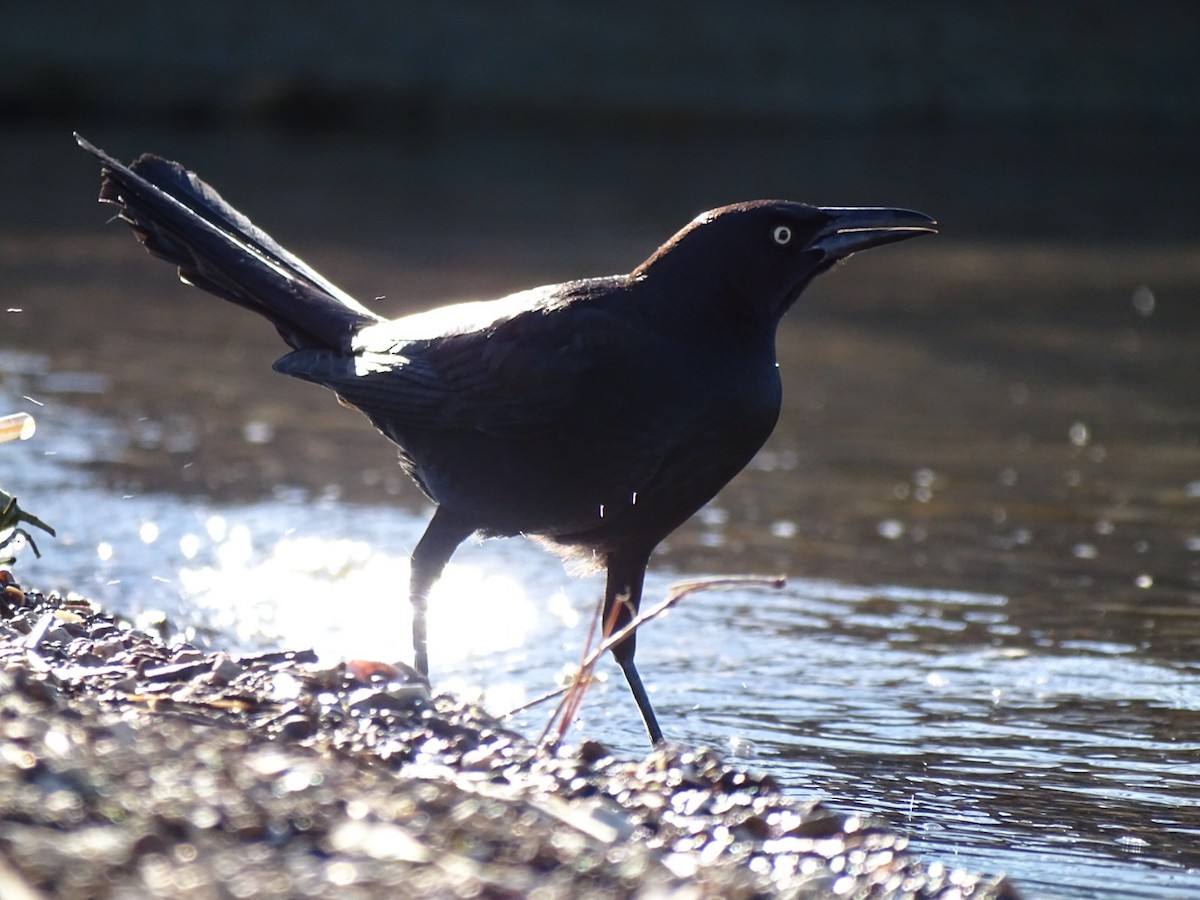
<point>595,416</point>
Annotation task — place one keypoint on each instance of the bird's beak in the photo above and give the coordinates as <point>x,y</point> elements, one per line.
<point>859,228</point>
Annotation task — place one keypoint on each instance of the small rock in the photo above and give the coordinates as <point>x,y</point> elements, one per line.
<point>224,669</point>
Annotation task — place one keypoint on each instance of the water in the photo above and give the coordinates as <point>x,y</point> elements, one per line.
<point>985,486</point>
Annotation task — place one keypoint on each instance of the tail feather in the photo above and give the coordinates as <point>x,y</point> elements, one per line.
<point>180,219</point>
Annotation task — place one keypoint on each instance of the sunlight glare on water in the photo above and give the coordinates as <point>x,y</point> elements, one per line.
<point>345,598</point>
<point>335,581</point>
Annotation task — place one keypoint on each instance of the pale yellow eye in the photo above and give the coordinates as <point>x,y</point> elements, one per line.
<point>782,234</point>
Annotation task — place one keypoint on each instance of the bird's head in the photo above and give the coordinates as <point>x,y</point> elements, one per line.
<point>761,254</point>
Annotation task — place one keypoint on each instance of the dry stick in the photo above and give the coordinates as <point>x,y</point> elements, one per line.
<point>566,692</point>
<point>573,699</point>
<point>579,685</point>
<point>677,592</point>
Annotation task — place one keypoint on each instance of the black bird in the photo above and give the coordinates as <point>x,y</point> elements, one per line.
<point>594,416</point>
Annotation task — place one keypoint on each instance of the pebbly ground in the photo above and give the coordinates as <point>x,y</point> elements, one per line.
<point>131,766</point>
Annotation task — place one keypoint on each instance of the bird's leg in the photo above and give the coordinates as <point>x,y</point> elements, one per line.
<point>442,536</point>
<point>626,572</point>
<point>625,661</point>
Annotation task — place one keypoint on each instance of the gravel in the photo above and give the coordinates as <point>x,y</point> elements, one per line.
<point>131,766</point>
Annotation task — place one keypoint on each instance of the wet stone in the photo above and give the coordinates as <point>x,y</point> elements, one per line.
<point>224,669</point>
<point>136,769</point>
<point>406,699</point>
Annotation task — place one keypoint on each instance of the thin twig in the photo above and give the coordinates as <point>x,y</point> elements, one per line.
<point>582,677</point>
<point>565,692</point>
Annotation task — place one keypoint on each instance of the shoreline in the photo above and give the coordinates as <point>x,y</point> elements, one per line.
<point>141,768</point>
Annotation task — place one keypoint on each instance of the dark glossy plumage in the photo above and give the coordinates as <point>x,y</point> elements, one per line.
<point>595,415</point>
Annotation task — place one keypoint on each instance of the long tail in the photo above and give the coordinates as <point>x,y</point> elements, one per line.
<point>179,218</point>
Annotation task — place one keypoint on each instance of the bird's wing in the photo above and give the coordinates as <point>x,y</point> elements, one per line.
<point>495,370</point>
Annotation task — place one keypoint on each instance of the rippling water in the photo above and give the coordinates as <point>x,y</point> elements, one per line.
<point>985,486</point>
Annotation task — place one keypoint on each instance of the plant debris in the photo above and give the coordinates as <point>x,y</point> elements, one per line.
<point>12,517</point>
<point>16,427</point>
